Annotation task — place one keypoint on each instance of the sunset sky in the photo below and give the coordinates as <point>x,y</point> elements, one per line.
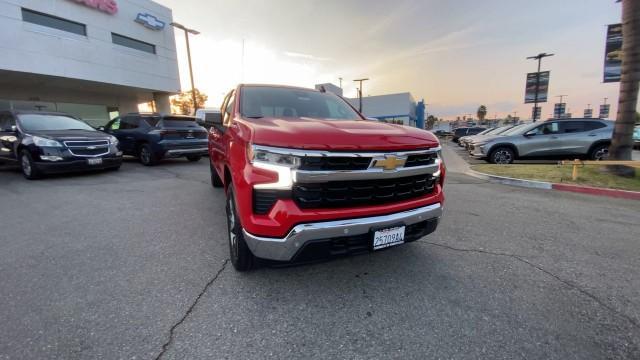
<point>454,54</point>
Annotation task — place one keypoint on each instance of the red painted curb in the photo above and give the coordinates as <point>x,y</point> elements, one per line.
<point>621,194</point>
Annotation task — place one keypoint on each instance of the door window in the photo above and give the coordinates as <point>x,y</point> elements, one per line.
<point>547,129</point>
<point>114,125</point>
<point>129,122</point>
<point>593,125</point>
<point>568,127</point>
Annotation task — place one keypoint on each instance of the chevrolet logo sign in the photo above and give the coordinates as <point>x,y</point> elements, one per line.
<point>390,162</point>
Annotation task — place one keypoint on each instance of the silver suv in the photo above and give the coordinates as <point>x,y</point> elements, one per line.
<point>567,139</point>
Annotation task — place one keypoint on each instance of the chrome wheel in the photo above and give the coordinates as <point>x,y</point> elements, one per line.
<point>502,157</point>
<point>26,165</point>
<point>601,154</point>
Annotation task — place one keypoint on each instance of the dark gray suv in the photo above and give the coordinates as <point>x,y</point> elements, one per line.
<point>553,139</point>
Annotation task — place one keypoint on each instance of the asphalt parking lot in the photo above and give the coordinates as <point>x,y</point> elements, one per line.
<point>133,264</point>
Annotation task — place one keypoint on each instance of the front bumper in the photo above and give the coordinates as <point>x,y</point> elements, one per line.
<point>301,236</point>
<point>77,165</point>
<point>476,151</point>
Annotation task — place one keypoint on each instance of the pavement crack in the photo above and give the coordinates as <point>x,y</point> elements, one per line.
<point>184,317</point>
<point>570,284</point>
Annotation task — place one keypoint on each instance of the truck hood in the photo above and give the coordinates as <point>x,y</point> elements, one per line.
<point>338,135</point>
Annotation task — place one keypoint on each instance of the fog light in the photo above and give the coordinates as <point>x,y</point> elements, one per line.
<point>50,158</point>
<point>119,153</point>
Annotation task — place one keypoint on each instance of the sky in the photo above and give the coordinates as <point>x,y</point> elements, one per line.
<point>456,55</point>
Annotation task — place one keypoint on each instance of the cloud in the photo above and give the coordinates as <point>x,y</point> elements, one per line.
<point>305,56</point>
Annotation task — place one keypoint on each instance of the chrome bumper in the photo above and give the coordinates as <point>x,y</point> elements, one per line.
<point>284,249</point>
<point>177,152</point>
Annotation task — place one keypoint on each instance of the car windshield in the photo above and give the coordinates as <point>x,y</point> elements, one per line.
<point>517,130</point>
<point>50,122</point>
<point>264,101</point>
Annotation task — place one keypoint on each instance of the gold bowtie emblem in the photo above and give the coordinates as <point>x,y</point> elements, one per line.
<point>390,162</point>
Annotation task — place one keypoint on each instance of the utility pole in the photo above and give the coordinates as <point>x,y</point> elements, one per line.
<point>360,81</point>
<point>188,31</point>
<point>340,82</point>
<point>561,97</point>
<point>538,57</point>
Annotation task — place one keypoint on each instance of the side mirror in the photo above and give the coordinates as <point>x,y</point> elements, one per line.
<point>530,134</point>
<point>100,128</point>
<point>13,128</point>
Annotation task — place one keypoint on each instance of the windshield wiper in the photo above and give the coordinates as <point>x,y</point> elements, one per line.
<point>254,117</point>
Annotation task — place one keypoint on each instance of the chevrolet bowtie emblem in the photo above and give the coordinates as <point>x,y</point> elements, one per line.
<point>390,162</point>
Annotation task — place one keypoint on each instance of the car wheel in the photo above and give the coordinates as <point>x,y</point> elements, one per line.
<point>147,157</point>
<point>241,257</point>
<point>194,158</point>
<point>28,169</point>
<point>502,155</point>
<point>600,152</point>
<point>216,182</point>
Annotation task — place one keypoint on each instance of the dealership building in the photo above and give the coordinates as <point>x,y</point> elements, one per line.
<point>91,58</point>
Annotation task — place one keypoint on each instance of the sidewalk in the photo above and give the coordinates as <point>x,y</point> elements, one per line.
<point>453,161</point>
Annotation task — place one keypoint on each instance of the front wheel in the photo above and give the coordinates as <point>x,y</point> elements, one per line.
<point>599,153</point>
<point>194,158</point>
<point>502,155</point>
<point>241,257</point>
<point>146,155</point>
<point>29,170</point>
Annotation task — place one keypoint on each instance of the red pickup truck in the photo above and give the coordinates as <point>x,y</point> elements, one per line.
<point>307,177</point>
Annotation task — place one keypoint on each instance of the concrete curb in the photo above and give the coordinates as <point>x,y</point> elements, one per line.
<point>621,194</point>
<point>511,181</point>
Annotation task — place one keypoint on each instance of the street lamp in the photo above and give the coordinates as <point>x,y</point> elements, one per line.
<point>360,81</point>
<point>188,31</point>
<point>538,57</point>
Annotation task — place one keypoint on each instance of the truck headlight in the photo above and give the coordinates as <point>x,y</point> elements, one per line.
<point>44,142</point>
<point>114,140</point>
<point>279,161</point>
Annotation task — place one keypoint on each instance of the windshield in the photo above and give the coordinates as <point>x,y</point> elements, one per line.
<point>263,101</point>
<point>48,122</point>
<point>516,130</point>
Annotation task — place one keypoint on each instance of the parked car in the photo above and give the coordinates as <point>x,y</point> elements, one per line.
<point>568,139</point>
<point>307,177</point>
<point>463,140</point>
<point>495,132</point>
<point>636,136</point>
<point>442,133</point>
<point>464,131</point>
<point>207,117</point>
<point>47,142</point>
<point>152,137</point>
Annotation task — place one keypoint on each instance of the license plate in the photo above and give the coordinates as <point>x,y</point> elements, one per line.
<point>96,161</point>
<point>388,237</point>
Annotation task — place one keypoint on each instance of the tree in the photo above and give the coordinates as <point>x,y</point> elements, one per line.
<point>622,140</point>
<point>183,102</point>
<point>431,121</point>
<point>482,113</point>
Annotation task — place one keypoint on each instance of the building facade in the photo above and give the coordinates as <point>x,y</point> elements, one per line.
<point>90,58</point>
<point>394,108</point>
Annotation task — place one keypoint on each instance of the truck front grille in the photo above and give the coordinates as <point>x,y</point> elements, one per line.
<point>340,194</point>
<point>313,163</point>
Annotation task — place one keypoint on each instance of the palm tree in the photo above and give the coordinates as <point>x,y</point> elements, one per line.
<point>622,140</point>
<point>482,113</point>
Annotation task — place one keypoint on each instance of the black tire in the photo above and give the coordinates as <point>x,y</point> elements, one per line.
<point>241,257</point>
<point>146,155</point>
<point>29,171</point>
<point>599,152</point>
<point>194,158</point>
<point>216,182</point>
<point>502,155</point>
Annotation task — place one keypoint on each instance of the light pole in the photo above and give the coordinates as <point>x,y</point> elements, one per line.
<point>188,31</point>
<point>360,81</point>
<point>538,57</point>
